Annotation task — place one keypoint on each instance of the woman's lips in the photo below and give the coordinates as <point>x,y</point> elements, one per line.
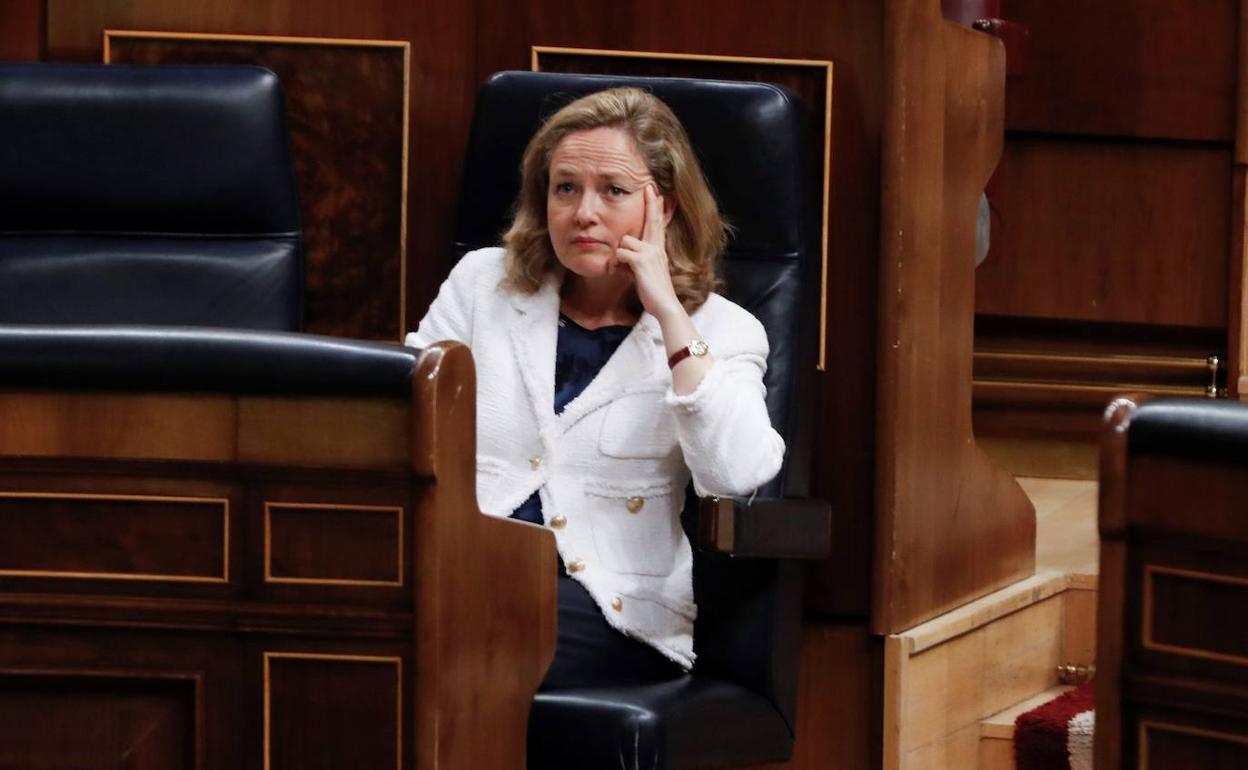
<point>586,241</point>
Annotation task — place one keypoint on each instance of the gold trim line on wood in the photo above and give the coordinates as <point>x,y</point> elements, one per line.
<point>131,576</point>
<point>233,38</point>
<point>1198,364</point>
<point>825,64</point>
<point>407,111</point>
<point>1109,388</point>
<point>628,54</point>
<point>269,577</point>
<point>268,701</point>
<point>1146,632</point>
<point>1169,727</point>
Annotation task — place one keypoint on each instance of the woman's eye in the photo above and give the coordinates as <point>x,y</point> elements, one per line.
<point>616,192</point>
<point>563,188</point>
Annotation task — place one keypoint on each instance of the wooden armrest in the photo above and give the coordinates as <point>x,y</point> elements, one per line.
<point>775,528</point>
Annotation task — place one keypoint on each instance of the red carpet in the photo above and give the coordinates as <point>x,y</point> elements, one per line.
<point>1057,735</point>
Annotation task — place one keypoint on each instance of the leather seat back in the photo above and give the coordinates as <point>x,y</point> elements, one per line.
<point>150,195</point>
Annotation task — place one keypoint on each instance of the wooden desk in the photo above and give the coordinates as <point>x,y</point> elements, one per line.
<point>228,581</point>
<point>1172,646</point>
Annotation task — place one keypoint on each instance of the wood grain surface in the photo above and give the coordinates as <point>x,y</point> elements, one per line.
<point>1142,68</point>
<point>950,525</point>
<point>1110,231</point>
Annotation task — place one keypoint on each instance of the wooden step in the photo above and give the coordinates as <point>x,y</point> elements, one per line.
<point>944,678</point>
<point>996,733</point>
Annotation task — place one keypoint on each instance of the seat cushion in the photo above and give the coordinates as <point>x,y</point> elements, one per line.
<point>691,722</point>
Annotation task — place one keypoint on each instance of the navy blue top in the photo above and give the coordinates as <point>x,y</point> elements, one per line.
<point>580,354</point>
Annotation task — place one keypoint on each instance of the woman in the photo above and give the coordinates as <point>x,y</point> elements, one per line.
<point>608,375</point>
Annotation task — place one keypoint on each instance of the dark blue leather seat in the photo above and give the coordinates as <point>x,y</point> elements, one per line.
<point>738,705</point>
<point>148,215</point>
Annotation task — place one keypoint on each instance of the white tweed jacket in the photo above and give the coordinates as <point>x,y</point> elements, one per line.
<point>612,468</point>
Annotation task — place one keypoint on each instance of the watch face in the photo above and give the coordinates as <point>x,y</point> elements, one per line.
<point>698,348</point>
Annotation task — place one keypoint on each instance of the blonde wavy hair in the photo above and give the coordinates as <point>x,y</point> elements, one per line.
<point>697,234</point>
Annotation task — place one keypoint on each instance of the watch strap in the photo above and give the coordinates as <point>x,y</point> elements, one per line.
<point>686,352</point>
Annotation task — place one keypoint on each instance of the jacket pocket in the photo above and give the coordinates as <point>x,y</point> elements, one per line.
<point>638,426</point>
<point>636,528</point>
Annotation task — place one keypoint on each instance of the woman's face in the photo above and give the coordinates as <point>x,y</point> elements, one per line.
<point>596,197</point>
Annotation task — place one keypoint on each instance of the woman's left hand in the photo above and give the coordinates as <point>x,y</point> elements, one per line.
<point>647,259</point>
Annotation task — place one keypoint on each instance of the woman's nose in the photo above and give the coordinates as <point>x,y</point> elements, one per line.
<point>587,209</point>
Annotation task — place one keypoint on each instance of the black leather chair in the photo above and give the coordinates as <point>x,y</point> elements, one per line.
<point>738,705</point>
<point>150,195</point>
<point>148,215</point>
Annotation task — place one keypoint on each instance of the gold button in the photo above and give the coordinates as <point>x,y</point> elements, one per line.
<point>634,504</point>
<point>535,461</point>
<point>576,565</point>
<point>558,521</point>
<point>617,604</point>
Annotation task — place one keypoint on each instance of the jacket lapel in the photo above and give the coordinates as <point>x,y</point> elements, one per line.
<point>632,368</point>
<point>533,339</point>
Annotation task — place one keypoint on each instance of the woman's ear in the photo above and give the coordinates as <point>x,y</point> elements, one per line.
<point>669,209</point>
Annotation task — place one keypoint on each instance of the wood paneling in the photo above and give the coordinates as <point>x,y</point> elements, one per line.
<point>323,432</point>
<point>1047,400</point>
<point>1185,613</point>
<point>85,719</point>
<point>21,30</point>
<point>1117,197</point>
<point>103,424</point>
<point>308,431</point>
<point>333,544</point>
<point>114,537</point>
<point>393,567</point>
<point>1164,745</point>
<point>938,544</point>
<point>329,711</point>
<point>1101,231</point>
<point>74,697</point>
<point>1149,68</point>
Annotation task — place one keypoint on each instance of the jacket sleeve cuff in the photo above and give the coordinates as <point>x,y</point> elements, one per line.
<point>701,395</point>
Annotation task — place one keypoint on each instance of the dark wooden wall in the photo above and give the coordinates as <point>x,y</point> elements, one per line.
<point>21,30</point>
<point>1116,220</point>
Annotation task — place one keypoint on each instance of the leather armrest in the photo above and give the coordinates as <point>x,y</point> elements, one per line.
<point>768,528</point>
